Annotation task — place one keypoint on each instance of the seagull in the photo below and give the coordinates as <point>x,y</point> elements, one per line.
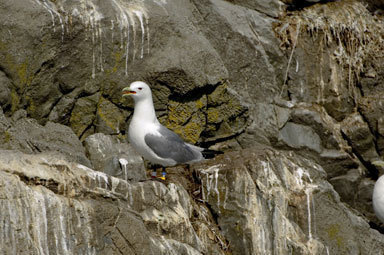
<point>378,198</point>
<point>378,194</point>
<point>150,139</point>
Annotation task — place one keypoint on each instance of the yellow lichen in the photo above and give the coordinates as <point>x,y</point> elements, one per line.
<point>31,105</point>
<point>15,100</point>
<point>117,56</point>
<point>109,114</point>
<point>20,69</point>
<point>213,115</point>
<point>7,137</point>
<point>179,113</point>
<point>191,132</point>
<point>200,104</point>
<point>334,234</point>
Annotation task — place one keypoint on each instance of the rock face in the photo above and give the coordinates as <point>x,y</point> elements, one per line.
<point>57,207</point>
<point>113,157</point>
<point>263,202</point>
<point>25,134</point>
<point>290,90</point>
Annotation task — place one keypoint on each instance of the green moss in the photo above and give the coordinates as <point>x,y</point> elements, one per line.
<point>76,123</point>
<point>83,113</point>
<point>191,129</point>
<point>19,69</point>
<point>213,115</point>
<point>178,113</point>
<point>7,137</point>
<point>334,234</point>
<point>15,100</point>
<point>104,117</point>
<point>219,96</point>
<point>22,73</point>
<point>200,104</point>
<point>109,115</point>
<point>31,105</point>
<point>191,132</point>
<point>117,56</point>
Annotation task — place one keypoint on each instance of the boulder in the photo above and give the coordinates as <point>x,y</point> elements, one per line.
<point>25,134</point>
<point>114,157</point>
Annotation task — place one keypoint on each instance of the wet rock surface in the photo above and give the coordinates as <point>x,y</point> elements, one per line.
<point>302,81</point>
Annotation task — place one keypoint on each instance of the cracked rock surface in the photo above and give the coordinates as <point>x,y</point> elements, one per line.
<point>291,91</point>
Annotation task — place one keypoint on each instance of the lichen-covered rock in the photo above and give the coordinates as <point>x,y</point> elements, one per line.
<point>187,119</point>
<point>5,91</point>
<point>359,135</point>
<point>109,118</point>
<point>305,76</point>
<point>83,115</point>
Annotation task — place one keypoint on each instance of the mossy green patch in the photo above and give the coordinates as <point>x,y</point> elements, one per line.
<point>200,103</point>
<point>335,235</point>
<point>179,113</point>
<point>7,137</point>
<point>213,115</point>
<point>31,109</point>
<point>17,68</point>
<point>83,114</point>
<point>22,72</point>
<point>189,128</point>
<point>15,100</point>
<point>117,57</point>
<point>108,117</point>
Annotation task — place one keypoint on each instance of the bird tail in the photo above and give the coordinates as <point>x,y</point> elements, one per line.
<point>195,147</point>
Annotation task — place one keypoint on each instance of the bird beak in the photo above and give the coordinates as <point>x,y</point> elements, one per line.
<point>127,91</point>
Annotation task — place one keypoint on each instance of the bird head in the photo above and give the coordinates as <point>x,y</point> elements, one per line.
<point>138,90</point>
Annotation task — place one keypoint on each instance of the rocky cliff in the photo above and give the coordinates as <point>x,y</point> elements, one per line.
<point>292,91</point>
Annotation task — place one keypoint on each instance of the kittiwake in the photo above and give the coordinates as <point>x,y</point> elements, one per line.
<point>149,138</point>
<point>378,194</point>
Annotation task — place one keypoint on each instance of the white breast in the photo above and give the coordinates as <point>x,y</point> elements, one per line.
<point>136,135</point>
<point>378,198</point>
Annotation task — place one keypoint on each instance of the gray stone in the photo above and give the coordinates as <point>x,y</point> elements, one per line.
<point>99,212</point>
<point>363,199</point>
<point>271,8</point>
<point>61,112</point>
<point>115,158</point>
<point>5,90</point>
<point>262,196</point>
<point>360,137</point>
<point>347,185</point>
<point>300,137</point>
<point>83,115</point>
<point>25,134</point>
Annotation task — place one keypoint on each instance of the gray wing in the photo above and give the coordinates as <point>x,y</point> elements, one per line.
<point>170,145</point>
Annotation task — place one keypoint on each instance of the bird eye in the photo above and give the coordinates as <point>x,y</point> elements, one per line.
<point>140,88</point>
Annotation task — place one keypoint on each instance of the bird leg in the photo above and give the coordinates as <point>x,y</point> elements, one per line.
<point>155,167</point>
<point>154,173</point>
<point>163,173</point>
